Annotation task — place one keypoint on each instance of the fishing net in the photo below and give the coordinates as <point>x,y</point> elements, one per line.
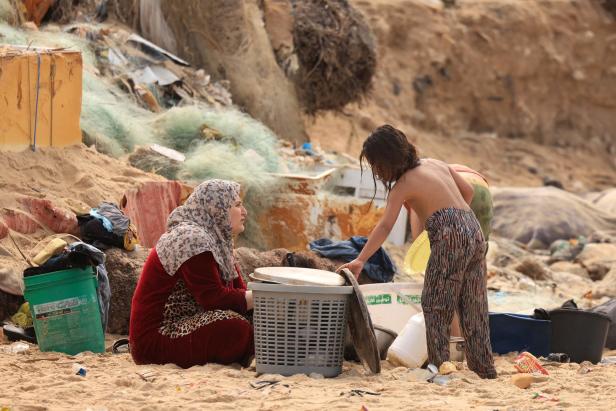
<point>218,142</point>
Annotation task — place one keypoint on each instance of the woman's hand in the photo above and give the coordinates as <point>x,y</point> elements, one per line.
<point>249,301</point>
<point>354,266</point>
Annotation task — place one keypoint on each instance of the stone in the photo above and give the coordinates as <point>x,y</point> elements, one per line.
<point>538,216</point>
<point>447,368</point>
<point>522,380</point>
<point>570,282</point>
<point>607,286</point>
<point>598,259</point>
<point>568,267</point>
<point>527,284</point>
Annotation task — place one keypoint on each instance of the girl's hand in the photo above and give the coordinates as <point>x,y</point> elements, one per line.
<point>354,266</point>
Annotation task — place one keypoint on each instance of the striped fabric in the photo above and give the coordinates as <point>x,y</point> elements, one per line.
<point>456,278</point>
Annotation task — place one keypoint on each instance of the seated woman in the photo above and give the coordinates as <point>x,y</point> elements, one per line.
<point>190,303</point>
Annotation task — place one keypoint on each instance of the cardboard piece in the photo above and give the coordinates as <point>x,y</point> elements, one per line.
<point>58,112</point>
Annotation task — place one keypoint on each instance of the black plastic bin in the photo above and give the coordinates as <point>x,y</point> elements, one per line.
<point>580,334</point>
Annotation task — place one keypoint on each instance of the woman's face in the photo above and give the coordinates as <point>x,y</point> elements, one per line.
<point>237,215</point>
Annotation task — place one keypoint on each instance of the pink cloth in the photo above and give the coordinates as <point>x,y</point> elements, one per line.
<point>149,206</point>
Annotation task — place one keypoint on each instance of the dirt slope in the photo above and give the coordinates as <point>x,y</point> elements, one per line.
<point>518,89</point>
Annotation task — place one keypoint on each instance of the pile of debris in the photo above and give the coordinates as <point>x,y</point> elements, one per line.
<point>336,52</point>
<point>154,77</point>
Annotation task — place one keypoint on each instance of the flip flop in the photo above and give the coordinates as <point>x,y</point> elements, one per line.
<point>14,333</point>
<point>120,346</point>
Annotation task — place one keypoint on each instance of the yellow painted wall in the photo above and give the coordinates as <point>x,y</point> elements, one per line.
<point>59,103</point>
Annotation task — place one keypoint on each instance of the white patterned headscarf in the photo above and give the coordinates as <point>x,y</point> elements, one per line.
<point>201,224</point>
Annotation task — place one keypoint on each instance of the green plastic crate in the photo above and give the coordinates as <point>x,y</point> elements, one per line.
<point>65,311</point>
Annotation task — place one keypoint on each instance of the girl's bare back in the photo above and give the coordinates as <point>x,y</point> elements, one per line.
<point>432,186</point>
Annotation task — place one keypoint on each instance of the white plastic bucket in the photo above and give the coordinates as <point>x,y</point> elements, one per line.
<point>409,349</point>
<point>392,304</point>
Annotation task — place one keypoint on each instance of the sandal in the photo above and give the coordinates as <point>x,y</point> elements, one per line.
<point>120,346</point>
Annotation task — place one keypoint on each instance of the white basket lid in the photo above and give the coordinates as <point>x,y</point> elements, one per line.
<point>298,276</point>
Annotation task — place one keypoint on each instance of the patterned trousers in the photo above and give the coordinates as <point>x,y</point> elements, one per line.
<point>456,279</point>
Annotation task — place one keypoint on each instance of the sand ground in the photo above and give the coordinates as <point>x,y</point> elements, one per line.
<point>45,381</point>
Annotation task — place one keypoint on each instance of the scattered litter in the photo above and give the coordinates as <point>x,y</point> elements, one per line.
<point>421,374</point>
<point>360,392</point>
<point>541,396</point>
<point>147,375</point>
<point>259,385</point>
<point>79,369</point>
<point>15,348</point>
<point>154,50</point>
<point>567,250</point>
<point>35,359</point>
<point>585,367</point>
<point>431,375</point>
<point>559,357</point>
<point>155,75</point>
<point>440,379</point>
<point>528,363</point>
<point>609,360</point>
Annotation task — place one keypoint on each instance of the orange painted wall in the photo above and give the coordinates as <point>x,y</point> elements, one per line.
<point>59,102</point>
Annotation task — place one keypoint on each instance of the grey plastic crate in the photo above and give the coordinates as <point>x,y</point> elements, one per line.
<point>299,329</point>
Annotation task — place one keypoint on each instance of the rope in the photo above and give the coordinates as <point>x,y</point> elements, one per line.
<point>38,85</point>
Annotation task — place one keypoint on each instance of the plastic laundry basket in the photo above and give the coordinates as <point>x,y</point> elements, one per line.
<point>299,328</point>
<point>65,311</point>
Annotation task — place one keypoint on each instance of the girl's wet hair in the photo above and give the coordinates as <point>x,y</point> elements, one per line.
<point>389,153</point>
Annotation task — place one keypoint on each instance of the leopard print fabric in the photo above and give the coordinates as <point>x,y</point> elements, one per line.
<point>183,315</point>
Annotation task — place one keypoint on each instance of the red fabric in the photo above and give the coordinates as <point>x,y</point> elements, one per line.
<point>55,218</point>
<point>224,341</point>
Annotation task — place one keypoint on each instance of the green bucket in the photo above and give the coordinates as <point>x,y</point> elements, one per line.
<point>65,311</point>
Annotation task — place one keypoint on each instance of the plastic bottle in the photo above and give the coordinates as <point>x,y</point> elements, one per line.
<point>409,349</point>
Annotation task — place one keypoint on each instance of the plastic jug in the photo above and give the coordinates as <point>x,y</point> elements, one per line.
<point>409,349</point>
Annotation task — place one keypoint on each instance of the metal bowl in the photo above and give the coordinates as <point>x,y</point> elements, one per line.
<point>456,349</point>
<point>384,338</point>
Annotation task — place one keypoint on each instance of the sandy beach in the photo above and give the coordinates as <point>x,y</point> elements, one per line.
<point>46,381</point>
<point>137,102</point>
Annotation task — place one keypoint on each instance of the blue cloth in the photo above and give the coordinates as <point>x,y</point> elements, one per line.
<point>106,223</point>
<point>379,267</point>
